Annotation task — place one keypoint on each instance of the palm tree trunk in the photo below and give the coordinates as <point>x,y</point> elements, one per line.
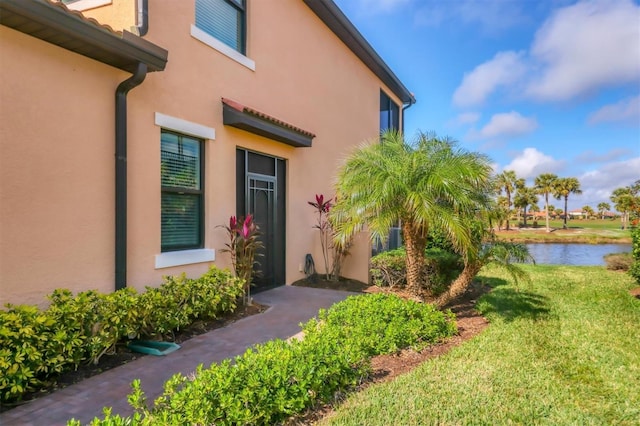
<point>566,198</point>
<point>460,284</point>
<point>546,209</point>
<point>508,208</point>
<point>414,244</point>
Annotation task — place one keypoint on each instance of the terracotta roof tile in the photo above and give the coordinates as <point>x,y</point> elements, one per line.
<point>248,110</point>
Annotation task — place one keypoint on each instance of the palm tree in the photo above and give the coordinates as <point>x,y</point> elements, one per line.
<point>562,188</point>
<point>524,198</point>
<point>509,182</point>
<point>626,200</point>
<point>588,211</point>
<point>427,184</point>
<point>544,185</point>
<point>487,250</point>
<point>602,208</point>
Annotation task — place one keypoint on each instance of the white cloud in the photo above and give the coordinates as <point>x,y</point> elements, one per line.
<point>504,69</point>
<point>587,46</point>
<point>508,124</point>
<point>625,111</point>
<point>597,185</point>
<point>531,163</point>
<point>464,119</point>
<point>579,50</point>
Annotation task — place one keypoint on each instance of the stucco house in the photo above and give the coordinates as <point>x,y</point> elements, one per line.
<point>131,129</point>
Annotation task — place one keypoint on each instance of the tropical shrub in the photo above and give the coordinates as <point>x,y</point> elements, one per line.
<point>618,261</point>
<point>243,245</point>
<point>37,344</point>
<point>634,269</point>
<point>440,268</point>
<point>273,381</point>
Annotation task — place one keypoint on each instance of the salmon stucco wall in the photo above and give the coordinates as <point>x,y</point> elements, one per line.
<point>56,170</point>
<point>63,235</point>
<point>118,14</point>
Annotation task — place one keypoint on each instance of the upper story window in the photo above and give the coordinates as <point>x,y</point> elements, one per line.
<point>389,113</point>
<point>224,20</point>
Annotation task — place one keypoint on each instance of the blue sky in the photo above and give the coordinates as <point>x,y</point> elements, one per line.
<point>540,86</point>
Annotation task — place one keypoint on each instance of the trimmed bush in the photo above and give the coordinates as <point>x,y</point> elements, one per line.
<point>634,269</point>
<point>273,381</point>
<point>441,268</point>
<point>35,345</point>
<point>618,261</point>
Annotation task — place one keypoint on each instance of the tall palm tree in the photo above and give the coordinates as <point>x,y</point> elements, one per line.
<point>562,188</point>
<point>509,182</point>
<point>427,184</point>
<point>524,198</point>
<point>602,208</point>
<point>544,185</point>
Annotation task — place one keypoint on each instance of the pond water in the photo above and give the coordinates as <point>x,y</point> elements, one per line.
<point>574,254</point>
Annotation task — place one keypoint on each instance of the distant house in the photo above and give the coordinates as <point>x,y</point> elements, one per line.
<point>129,134</point>
<point>576,214</point>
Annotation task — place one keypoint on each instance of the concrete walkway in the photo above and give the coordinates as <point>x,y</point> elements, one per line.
<point>289,306</point>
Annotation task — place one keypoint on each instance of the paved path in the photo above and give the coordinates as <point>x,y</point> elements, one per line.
<point>289,306</point>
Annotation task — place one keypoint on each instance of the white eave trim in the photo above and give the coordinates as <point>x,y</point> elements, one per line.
<point>216,44</point>
<point>183,126</point>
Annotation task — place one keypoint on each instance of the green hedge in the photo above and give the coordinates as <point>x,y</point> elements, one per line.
<point>388,269</point>
<point>38,344</point>
<point>273,381</point>
<point>634,270</point>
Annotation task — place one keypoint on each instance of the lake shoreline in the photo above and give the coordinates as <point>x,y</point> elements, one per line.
<point>571,235</point>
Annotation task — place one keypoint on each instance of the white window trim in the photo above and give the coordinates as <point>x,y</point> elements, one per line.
<point>183,126</point>
<point>83,5</point>
<point>184,257</point>
<point>216,44</point>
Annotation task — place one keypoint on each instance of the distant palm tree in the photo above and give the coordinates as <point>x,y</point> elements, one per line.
<point>562,188</point>
<point>524,198</point>
<point>602,208</point>
<point>588,211</point>
<point>509,182</point>
<point>626,200</point>
<point>544,185</point>
<point>427,184</point>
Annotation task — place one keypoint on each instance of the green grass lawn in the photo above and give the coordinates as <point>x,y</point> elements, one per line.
<point>564,350</point>
<point>578,231</point>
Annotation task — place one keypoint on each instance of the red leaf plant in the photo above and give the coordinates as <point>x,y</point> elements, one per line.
<point>243,246</point>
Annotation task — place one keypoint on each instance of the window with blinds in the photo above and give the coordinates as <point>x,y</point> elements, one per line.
<point>224,20</point>
<point>182,192</point>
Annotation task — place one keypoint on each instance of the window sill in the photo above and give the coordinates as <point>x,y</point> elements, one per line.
<point>216,44</point>
<point>184,257</point>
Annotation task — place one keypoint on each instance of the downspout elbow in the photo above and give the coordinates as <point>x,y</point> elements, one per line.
<point>406,107</point>
<point>121,174</point>
<point>142,22</point>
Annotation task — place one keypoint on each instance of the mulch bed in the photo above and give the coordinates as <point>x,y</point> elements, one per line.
<point>635,292</point>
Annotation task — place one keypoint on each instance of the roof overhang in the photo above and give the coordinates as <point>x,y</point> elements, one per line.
<point>54,23</point>
<point>248,119</point>
<point>337,22</point>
